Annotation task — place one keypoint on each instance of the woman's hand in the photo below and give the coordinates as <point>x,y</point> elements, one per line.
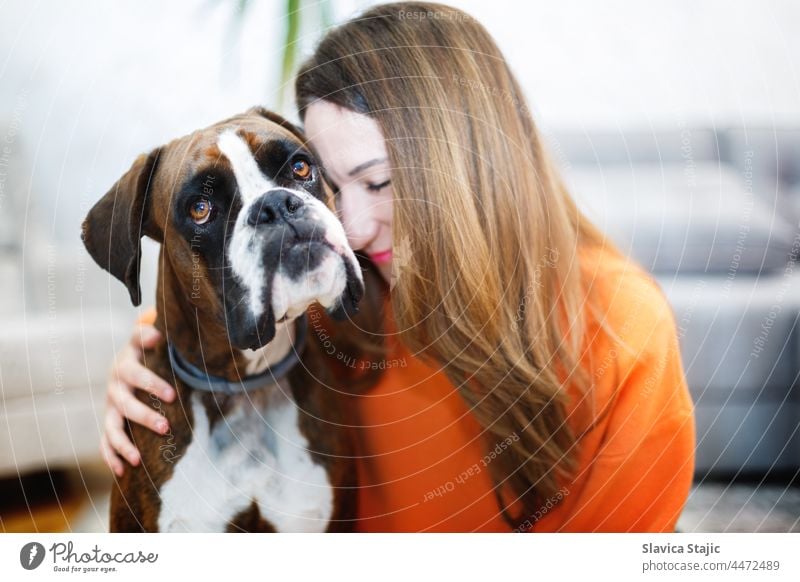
<point>128,373</point>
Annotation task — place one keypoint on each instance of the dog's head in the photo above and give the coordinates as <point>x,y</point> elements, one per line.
<point>244,218</point>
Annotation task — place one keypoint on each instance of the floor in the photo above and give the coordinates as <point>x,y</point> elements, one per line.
<point>82,504</point>
<point>721,507</point>
<point>63,501</point>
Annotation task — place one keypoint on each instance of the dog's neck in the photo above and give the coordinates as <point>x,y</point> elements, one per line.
<point>272,353</point>
<point>203,340</point>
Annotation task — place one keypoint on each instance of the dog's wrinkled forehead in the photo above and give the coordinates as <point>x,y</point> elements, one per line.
<point>246,147</point>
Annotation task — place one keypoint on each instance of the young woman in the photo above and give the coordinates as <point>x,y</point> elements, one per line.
<point>528,376</point>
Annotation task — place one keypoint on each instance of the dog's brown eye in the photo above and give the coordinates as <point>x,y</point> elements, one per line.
<point>200,210</point>
<point>301,169</point>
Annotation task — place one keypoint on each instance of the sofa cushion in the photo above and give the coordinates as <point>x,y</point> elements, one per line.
<point>682,218</point>
<point>61,352</point>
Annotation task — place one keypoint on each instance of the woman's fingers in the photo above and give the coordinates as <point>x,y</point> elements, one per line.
<point>110,457</point>
<point>119,441</point>
<point>128,373</point>
<point>131,373</point>
<point>127,405</point>
<point>145,336</point>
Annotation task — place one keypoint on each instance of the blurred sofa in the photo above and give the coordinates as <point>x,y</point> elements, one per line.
<point>63,319</point>
<point>713,215</point>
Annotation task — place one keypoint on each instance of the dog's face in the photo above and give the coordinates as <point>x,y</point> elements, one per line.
<point>243,216</point>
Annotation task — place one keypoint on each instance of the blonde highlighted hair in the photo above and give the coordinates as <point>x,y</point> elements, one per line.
<point>490,287</point>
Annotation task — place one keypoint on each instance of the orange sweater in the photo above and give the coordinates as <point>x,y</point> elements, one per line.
<point>423,467</point>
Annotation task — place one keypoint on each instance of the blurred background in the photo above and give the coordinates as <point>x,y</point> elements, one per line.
<point>677,124</point>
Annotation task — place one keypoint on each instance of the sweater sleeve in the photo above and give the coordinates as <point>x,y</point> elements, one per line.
<point>148,316</point>
<point>640,478</point>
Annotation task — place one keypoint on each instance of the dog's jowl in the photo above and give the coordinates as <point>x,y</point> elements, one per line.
<point>257,442</point>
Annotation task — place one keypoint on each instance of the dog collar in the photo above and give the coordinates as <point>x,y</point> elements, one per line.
<point>200,380</point>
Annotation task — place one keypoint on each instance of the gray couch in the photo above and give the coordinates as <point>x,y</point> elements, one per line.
<point>62,321</point>
<point>714,216</point>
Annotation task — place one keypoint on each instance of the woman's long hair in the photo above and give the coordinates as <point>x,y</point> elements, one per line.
<point>486,239</point>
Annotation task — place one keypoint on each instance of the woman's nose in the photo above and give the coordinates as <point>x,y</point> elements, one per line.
<point>358,218</point>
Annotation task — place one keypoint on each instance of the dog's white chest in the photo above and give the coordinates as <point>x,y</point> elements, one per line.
<point>256,453</point>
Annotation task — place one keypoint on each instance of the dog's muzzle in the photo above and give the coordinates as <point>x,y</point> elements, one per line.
<point>274,207</point>
<point>300,255</point>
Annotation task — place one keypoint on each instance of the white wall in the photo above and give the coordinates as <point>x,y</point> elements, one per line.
<point>622,63</point>
<point>96,83</point>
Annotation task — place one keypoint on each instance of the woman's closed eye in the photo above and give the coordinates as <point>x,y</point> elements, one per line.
<point>378,187</point>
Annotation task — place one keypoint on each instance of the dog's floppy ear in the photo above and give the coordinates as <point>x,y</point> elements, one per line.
<point>277,119</point>
<point>113,229</point>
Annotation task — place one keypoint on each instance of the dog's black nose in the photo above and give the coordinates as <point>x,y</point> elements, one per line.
<point>273,207</point>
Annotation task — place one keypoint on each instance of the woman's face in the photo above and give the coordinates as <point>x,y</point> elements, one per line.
<point>352,151</point>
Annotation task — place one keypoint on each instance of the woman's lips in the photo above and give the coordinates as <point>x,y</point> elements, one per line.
<point>382,257</point>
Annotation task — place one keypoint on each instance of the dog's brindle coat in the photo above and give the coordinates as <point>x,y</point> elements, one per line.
<point>229,291</point>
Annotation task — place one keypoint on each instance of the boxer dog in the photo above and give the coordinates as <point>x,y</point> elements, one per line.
<point>248,242</point>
